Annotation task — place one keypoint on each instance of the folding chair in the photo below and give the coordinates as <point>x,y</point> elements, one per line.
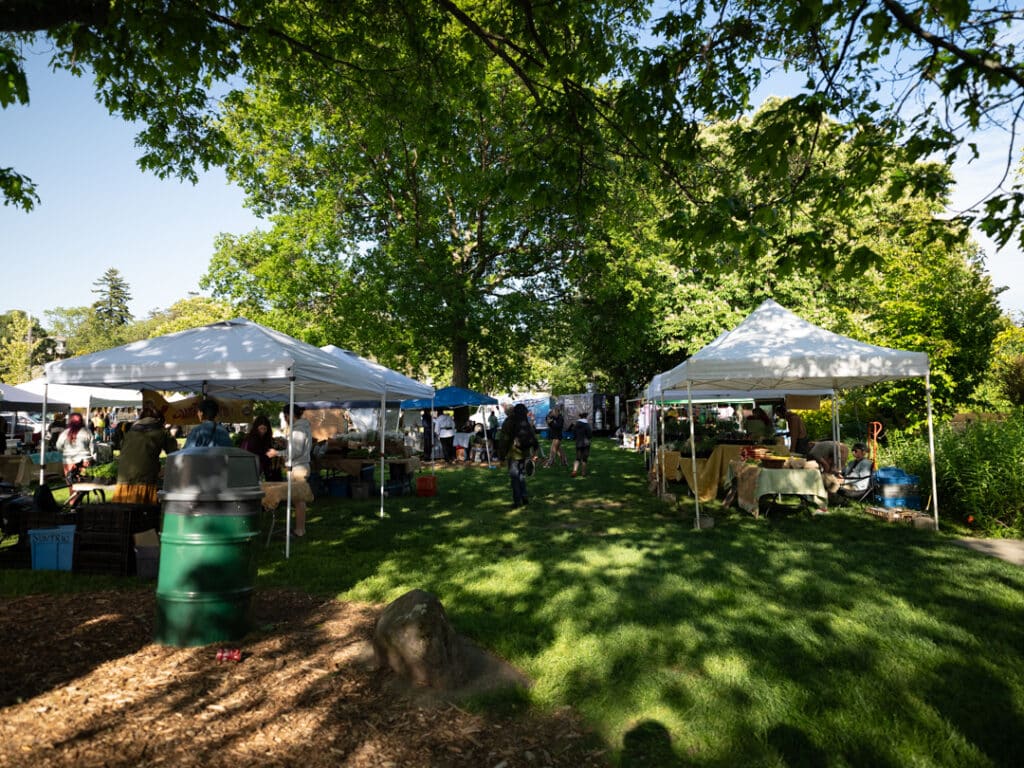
<point>849,490</point>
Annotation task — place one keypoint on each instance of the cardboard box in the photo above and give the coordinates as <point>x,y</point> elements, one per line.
<point>148,538</point>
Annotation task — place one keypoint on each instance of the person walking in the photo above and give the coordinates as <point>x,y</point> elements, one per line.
<point>75,445</point>
<point>581,433</point>
<point>518,444</point>
<point>556,426</point>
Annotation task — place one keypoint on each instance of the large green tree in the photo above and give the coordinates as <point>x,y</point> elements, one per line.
<point>440,242</point>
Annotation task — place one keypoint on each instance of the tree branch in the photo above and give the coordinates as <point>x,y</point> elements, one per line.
<point>982,64</point>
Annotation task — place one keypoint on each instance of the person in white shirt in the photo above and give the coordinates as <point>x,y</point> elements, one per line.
<point>444,428</point>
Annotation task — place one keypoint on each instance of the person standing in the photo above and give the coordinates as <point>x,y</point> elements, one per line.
<point>517,444</point>
<point>798,442</point>
<point>300,447</point>
<point>138,465</point>
<point>208,432</point>
<point>444,425</point>
<point>260,440</point>
<point>556,426</point>
<point>75,445</point>
<point>581,434</point>
<point>427,422</point>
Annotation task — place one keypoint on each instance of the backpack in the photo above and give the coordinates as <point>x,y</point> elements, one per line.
<point>525,437</point>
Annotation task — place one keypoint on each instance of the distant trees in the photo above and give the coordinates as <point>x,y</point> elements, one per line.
<point>21,342</point>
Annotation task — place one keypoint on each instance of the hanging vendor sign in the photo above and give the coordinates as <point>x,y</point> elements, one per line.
<point>186,411</point>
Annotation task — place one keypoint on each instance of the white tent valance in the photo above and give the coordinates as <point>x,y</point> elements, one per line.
<point>85,397</point>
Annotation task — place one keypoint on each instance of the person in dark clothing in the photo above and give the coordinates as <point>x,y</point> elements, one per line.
<point>581,433</point>
<point>428,435</point>
<point>556,426</point>
<point>518,444</point>
<point>259,440</point>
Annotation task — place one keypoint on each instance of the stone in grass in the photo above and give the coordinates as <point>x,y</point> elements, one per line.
<point>414,638</point>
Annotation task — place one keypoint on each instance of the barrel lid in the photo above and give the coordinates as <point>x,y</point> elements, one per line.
<point>210,472</point>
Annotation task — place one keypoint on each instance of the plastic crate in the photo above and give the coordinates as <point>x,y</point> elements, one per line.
<point>339,486</point>
<point>53,549</point>
<point>900,502</point>
<point>360,490</point>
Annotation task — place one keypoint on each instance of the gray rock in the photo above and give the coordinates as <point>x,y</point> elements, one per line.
<point>415,639</point>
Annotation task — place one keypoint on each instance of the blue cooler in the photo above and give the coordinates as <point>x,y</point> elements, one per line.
<point>53,549</point>
<point>895,488</point>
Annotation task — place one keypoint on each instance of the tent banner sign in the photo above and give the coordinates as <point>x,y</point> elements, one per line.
<point>185,412</point>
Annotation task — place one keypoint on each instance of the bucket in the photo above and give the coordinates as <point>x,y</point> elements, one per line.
<point>426,485</point>
<point>207,569</point>
<point>339,486</point>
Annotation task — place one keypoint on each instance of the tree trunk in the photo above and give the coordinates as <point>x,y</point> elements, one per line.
<point>460,361</point>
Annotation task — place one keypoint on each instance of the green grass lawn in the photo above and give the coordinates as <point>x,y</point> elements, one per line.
<point>795,640</point>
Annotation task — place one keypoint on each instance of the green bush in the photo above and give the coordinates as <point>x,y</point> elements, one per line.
<point>979,472</point>
<point>103,472</point>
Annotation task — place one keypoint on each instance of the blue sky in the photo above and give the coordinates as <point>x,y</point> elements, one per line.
<point>98,210</point>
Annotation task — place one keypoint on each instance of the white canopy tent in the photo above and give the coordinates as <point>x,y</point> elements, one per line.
<point>774,349</point>
<point>85,398</point>
<point>231,359</point>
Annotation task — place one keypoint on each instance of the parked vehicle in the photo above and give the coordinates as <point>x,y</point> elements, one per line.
<point>22,427</point>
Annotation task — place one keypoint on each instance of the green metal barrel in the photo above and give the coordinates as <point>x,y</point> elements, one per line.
<point>211,503</point>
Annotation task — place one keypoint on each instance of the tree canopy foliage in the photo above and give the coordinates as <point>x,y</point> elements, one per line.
<point>922,75</point>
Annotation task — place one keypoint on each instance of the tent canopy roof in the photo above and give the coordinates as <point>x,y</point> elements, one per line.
<point>774,349</point>
<point>18,399</point>
<point>451,397</point>
<point>399,386</point>
<point>234,359</point>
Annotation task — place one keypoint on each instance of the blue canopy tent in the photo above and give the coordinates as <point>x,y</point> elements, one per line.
<point>450,397</point>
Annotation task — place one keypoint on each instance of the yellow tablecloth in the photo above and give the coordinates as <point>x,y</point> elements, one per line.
<point>753,482</point>
<point>275,493</point>
<point>712,472</point>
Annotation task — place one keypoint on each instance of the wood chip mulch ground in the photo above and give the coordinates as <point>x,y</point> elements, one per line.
<point>83,684</point>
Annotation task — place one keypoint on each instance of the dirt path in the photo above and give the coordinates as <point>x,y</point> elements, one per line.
<point>83,685</point>
<point>1010,550</point>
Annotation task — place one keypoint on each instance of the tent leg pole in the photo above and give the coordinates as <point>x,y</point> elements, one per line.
<point>288,504</point>
<point>382,423</point>
<point>931,449</point>
<point>693,454</point>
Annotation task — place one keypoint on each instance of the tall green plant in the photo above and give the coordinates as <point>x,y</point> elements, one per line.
<point>978,472</point>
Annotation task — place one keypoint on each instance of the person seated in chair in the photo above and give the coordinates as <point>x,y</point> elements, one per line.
<point>854,482</point>
<point>856,474</point>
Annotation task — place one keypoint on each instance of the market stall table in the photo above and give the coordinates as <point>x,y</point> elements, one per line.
<point>754,481</point>
<point>713,472</point>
